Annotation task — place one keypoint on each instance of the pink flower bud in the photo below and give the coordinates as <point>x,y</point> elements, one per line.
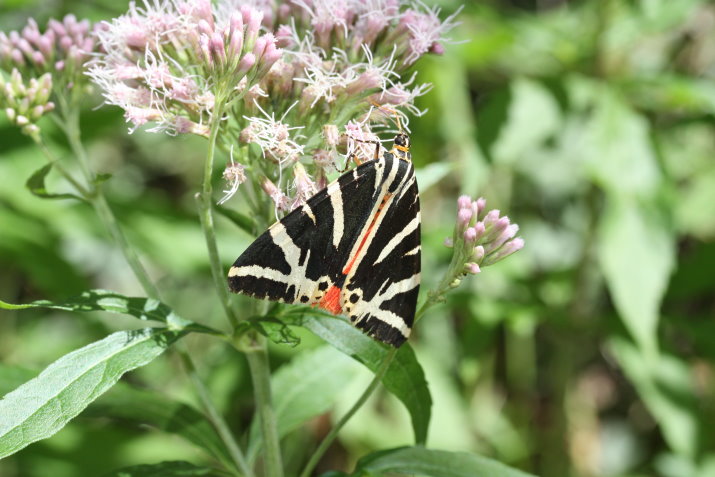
<point>236,23</point>
<point>271,55</point>
<point>491,218</point>
<point>478,206</point>
<point>205,28</point>
<point>278,197</point>
<point>463,218</point>
<point>284,36</point>
<point>470,237</point>
<point>260,46</point>
<point>436,48</point>
<point>370,79</point>
<point>252,18</point>
<point>479,228</point>
<point>246,63</point>
<point>17,57</point>
<point>508,233</point>
<point>508,249</point>
<point>217,48</point>
<point>205,50</point>
<point>464,202</point>
<point>478,254</point>
<point>235,44</point>
<point>472,268</point>
<point>66,43</point>
<point>45,45</point>
<point>331,135</point>
<point>38,59</point>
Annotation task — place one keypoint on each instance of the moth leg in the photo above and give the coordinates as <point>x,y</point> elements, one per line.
<point>354,157</point>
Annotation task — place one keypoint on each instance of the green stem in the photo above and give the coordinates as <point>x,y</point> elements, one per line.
<point>260,373</point>
<point>83,191</point>
<point>206,216</point>
<point>216,419</point>
<point>104,211</point>
<point>328,440</point>
<point>257,352</point>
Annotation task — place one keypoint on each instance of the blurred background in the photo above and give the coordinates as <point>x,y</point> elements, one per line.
<point>589,353</point>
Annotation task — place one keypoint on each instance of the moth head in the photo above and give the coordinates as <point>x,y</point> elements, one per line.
<point>402,142</point>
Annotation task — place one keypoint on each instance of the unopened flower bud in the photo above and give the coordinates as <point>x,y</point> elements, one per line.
<point>470,237</point>
<point>478,254</point>
<point>246,63</point>
<point>478,206</point>
<point>464,202</point>
<point>472,268</point>
<point>506,250</point>
<point>331,135</point>
<point>463,218</point>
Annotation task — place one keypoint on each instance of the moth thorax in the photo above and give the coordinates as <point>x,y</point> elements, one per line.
<point>401,148</point>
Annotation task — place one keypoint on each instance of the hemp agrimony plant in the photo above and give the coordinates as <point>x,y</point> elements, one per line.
<point>283,92</point>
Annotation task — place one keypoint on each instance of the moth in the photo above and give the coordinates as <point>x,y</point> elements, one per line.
<point>352,249</point>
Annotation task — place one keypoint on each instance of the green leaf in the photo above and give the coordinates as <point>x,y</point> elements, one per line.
<point>140,407</point>
<point>306,387</point>
<point>664,383</point>
<point>405,377</point>
<point>533,116</point>
<point>102,300</point>
<point>637,253</point>
<point>143,407</point>
<point>166,469</point>
<point>36,185</point>
<point>44,405</point>
<point>617,147</point>
<point>432,463</point>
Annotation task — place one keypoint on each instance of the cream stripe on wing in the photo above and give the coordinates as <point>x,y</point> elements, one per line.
<point>336,200</point>
<point>395,241</point>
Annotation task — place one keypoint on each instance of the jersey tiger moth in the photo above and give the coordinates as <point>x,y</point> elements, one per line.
<point>353,248</point>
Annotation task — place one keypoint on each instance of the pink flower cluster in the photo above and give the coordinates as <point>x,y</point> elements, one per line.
<point>64,47</point>
<point>167,61</point>
<point>310,63</point>
<point>482,238</point>
<point>24,103</point>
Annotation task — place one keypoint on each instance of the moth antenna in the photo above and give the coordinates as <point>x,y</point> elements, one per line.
<point>394,113</point>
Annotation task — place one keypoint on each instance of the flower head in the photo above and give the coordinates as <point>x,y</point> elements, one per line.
<point>481,238</point>
<point>62,49</point>
<point>25,103</point>
<point>167,61</point>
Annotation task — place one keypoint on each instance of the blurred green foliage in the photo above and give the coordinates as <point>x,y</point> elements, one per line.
<point>589,353</point>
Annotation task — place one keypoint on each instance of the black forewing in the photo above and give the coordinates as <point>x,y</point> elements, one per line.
<point>311,238</point>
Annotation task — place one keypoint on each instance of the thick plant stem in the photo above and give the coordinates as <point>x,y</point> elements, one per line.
<point>261,374</point>
<point>206,217</point>
<point>328,440</point>
<point>219,424</point>
<point>257,352</point>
